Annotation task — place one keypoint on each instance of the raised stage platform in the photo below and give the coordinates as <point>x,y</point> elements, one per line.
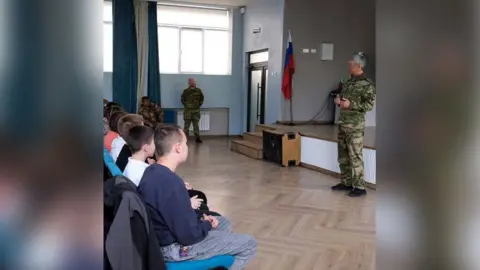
<point>319,148</point>
<point>325,132</point>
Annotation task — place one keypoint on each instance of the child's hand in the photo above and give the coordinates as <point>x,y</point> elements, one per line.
<point>212,220</point>
<point>150,161</point>
<point>196,202</point>
<point>188,186</point>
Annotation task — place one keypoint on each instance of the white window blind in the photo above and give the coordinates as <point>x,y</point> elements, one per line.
<point>107,37</point>
<point>191,59</point>
<point>168,49</point>
<point>193,16</point>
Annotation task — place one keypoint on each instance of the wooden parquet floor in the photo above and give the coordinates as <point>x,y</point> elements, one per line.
<point>299,223</point>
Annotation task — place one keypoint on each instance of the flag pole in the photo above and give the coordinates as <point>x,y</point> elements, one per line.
<point>291,104</point>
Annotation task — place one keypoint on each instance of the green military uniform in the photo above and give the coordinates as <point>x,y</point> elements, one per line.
<point>152,114</point>
<point>361,93</point>
<point>192,100</point>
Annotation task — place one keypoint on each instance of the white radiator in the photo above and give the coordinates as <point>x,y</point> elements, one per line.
<point>204,123</point>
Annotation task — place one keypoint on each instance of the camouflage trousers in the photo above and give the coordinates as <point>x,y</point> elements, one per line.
<point>191,117</point>
<point>350,157</point>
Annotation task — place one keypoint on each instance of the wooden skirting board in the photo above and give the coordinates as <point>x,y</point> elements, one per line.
<point>300,123</point>
<point>217,136</point>
<point>333,174</point>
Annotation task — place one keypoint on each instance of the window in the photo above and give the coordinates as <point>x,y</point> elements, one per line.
<point>194,40</point>
<point>107,37</point>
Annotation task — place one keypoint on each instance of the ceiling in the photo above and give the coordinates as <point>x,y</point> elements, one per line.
<point>233,3</point>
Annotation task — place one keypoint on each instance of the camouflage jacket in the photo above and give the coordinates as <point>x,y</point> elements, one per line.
<point>360,91</point>
<point>192,99</point>
<point>152,114</point>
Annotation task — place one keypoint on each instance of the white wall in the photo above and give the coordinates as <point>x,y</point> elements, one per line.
<point>370,118</point>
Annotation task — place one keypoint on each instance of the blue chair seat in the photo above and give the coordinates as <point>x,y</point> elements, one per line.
<point>217,261</point>
<point>169,116</point>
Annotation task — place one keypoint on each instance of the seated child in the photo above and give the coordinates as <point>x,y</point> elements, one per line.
<point>125,153</point>
<point>124,124</point>
<point>181,234</point>
<point>112,131</point>
<point>141,147</point>
<point>140,141</point>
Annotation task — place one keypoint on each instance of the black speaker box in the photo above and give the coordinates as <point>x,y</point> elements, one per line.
<point>281,147</point>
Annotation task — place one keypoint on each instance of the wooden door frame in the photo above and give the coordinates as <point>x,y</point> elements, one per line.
<point>251,67</point>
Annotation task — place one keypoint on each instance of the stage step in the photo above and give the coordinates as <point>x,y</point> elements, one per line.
<point>253,137</point>
<point>262,127</point>
<point>247,148</point>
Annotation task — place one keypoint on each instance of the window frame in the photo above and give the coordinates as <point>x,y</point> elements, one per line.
<point>180,27</point>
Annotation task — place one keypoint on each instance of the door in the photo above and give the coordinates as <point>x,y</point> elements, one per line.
<point>257,97</point>
<point>257,88</point>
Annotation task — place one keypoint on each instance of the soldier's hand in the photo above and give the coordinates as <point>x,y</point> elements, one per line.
<point>337,100</point>
<point>345,103</point>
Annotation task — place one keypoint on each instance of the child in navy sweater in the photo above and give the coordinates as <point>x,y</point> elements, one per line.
<point>181,234</point>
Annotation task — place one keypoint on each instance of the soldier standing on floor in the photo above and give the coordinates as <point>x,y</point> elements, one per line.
<point>356,99</point>
<point>152,113</point>
<point>192,100</point>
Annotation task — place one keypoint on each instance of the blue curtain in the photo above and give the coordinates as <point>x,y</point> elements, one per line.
<point>125,65</point>
<point>153,85</point>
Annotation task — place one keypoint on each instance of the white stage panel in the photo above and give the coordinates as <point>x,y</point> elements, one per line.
<point>323,154</point>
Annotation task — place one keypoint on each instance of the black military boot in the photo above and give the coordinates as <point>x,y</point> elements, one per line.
<point>198,140</point>
<point>357,192</point>
<point>342,186</point>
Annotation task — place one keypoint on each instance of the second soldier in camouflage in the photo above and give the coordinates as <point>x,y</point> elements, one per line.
<point>192,100</point>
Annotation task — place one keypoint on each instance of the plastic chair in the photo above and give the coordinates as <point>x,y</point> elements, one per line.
<point>110,163</point>
<point>216,262</point>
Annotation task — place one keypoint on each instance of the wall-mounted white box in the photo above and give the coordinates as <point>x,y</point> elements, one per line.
<point>327,51</point>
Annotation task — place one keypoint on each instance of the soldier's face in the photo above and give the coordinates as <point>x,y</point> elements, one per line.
<point>353,67</point>
<point>192,83</point>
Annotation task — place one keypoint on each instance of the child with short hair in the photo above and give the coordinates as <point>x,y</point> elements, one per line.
<point>181,234</point>
<point>142,146</point>
<point>112,132</point>
<point>140,142</point>
<point>125,123</point>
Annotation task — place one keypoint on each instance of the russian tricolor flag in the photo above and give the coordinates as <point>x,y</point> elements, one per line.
<point>288,69</point>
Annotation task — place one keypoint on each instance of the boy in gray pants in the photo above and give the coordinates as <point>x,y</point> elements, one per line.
<point>181,234</point>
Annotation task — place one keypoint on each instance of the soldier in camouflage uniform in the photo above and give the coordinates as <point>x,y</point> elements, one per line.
<point>192,100</point>
<point>152,113</point>
<point>356,99</point>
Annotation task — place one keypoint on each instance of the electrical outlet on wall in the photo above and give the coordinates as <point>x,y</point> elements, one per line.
<point>306,50</point>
